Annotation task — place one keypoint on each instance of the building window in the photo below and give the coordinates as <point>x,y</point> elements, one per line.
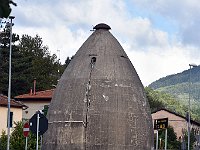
<point>11,120</point>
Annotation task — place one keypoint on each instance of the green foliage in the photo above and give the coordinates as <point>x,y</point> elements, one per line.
<point>4,57</point>
<point>159,100</point>
<point>172,141</point>
<point>30,60</point>
<point>181,93</point>
<point>39,63</point>
<point>178,78</point>
<point>5,8</point>
<point>17,140</point>
<point>192,138</point>
<point>3,141</point>
<point>67,61</point>
<point>45,110</point>
<point>154,100</point>
<point>178,86</point>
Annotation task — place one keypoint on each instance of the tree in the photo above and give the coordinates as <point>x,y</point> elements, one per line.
<point>41,65</point>
<point>172,141</point>
<point>3,140</point>
<point>4,57</point>
<point>192,137</point>
<point>154,99</point>
<point>159,100</point>
<point>67,61</point>
<point>30,60</point>
<point>17,140</point>
<point>5,8</point>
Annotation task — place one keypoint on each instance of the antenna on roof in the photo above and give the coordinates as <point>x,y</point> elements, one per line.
<point>92,28</point>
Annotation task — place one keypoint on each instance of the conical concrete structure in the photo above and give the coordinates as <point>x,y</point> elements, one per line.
<point>99,102</point>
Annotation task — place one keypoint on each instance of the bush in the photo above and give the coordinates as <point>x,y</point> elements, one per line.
<point>3,141</point>
<point>17,139</point>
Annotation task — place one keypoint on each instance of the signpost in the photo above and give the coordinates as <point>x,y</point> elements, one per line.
<point>156,139</point>
<point>26,129</point>
<point>38,125</point>
<point>26,133</point>
<point>161,124</point>
<point>39,120</point>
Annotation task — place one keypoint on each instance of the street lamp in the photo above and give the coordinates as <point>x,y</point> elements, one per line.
<point>191,65</point>
<point>9,81</point>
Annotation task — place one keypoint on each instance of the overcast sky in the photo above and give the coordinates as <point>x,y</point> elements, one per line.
<point>161,37</point>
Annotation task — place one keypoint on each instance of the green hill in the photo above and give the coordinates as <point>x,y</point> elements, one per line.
<point>177,85</point>
<point>174,79</point>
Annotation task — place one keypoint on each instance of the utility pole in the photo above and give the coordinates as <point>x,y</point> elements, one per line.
<point>9,82</point>
<point>189,116</point>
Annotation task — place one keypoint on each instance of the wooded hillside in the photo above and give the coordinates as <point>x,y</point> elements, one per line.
<point>177,85</point>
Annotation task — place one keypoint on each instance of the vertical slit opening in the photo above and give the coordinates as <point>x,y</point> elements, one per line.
<point>93,60</point>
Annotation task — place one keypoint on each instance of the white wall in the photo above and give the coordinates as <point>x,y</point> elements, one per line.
<point>33,107</point>
<point>17,116</point>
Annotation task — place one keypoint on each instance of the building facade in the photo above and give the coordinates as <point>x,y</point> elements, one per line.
<point>35,101</point>
<point>16,109</point>
<point>177,121</point>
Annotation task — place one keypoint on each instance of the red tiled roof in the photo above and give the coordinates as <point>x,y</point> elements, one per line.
<point>13,103</point>
<point>47,94</point>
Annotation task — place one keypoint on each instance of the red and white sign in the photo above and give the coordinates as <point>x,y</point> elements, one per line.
<point>26,129</point>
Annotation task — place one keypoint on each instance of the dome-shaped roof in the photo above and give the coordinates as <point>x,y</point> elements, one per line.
<point>102,26</point>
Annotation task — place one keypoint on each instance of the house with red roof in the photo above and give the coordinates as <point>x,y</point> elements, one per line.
<point>35,101</point>
<point>16,109</point>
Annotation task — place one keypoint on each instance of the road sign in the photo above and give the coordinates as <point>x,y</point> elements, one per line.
<point>160,123</point>
<point>43,123</point>
<point>26,129</point>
